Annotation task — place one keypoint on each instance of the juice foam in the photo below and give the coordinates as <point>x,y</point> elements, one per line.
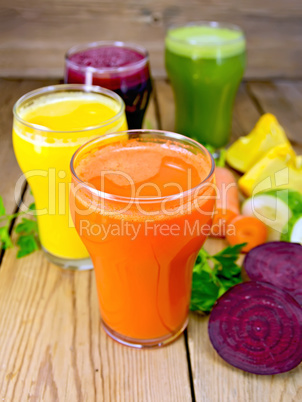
<point>143,169</point>
<point>205,41</point>
<point>106,57</point>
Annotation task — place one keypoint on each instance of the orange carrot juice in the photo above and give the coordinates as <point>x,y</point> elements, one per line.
<point>143,206</point>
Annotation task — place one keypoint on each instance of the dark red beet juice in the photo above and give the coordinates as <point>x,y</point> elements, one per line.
<point>118,66</point>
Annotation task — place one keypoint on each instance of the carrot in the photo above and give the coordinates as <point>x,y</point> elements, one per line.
<point>227,201</point>
<point>246,229</point>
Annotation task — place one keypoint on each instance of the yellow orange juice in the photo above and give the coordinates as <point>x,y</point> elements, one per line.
<point>49,125</point>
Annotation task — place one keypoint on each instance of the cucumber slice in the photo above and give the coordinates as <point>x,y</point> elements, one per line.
<point>292,198</point>
<point>294,232</point>
<point>271,210</point>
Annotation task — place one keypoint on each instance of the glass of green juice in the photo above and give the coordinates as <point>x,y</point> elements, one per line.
<point>205,63</point>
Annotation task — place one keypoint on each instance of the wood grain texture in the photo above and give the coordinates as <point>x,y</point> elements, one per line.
<point>36,34</point>
<point>54,349</point>
<point>10,171</point>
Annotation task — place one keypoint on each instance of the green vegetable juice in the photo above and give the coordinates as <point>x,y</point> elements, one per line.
<point>205,64</point>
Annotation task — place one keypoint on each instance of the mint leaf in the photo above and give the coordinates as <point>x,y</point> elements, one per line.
<point>27,244</point>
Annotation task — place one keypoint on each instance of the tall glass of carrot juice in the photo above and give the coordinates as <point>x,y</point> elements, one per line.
<point>49,125</point>
<point>142,202</point>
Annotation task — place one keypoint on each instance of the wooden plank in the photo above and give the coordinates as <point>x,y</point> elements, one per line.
<point>36,34</point>
<point>283,99</point>
<point>245,114</point>
<point>54,349</point>
<point>10,172</point>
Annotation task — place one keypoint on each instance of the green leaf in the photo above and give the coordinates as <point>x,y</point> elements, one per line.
<point>219,155</point>
<point>2,207</point>
<point>210,148</point>
<point>213,276</point>
<point>32,207</point>
<point>201,262</point>
<point>226,259</point>
<point>204,292</point>
<point>228,271</point>
<point>27,226</point>
<point>27,244</point>
<point>230,251</point>
<point>5,237</point>
<point>220,161</point>
<point>27,229</point>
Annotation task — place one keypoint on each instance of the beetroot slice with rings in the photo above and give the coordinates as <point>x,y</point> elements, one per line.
<point>257,327</point>
<point>278,263</point>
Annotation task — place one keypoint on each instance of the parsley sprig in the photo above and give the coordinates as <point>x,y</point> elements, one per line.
<point>27,230</point>
<point>213,275</point>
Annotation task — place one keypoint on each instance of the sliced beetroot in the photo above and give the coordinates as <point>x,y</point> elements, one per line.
<point>257,327</point>
<point>278,263</point>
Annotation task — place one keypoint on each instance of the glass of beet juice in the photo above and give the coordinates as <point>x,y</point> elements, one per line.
<point>121,67</point>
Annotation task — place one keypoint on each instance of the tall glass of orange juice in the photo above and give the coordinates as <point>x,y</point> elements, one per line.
<point>142,202</point>
<point>49,125</point>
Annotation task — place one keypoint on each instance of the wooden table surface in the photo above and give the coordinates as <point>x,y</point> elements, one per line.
<point>52,346</point>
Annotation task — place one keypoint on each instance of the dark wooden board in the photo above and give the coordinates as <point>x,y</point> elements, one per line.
<point>36,34</point>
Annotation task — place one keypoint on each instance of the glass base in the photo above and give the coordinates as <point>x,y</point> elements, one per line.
<point>81,264</point>
<point>144,343</point>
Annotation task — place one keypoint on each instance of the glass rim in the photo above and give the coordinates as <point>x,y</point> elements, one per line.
<point>165,134</point>
<point>136,65</point>
<point>51,89</point>
<point>214,24</point>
